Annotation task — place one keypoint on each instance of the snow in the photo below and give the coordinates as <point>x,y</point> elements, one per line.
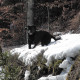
<point>27,73</point>
<point>67,47</point>
<point>58,77</point>
<point>1,74</point>
<point>66,63</point>
<point>28,56</point>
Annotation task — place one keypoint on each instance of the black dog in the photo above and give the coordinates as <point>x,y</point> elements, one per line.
<point>40,36</point>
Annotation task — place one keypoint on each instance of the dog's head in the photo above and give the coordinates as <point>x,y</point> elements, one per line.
<point>31,29</point>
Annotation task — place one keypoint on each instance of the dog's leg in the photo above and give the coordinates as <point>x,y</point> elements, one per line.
<point>29,46</point>
<point>36,41</point>
<point>35,44</point>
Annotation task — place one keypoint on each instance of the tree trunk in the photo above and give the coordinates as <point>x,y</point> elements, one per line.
<point>30,13</point>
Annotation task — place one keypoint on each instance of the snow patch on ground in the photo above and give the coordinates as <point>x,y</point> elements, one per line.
<point>67,47</point>
<point>50,77</point>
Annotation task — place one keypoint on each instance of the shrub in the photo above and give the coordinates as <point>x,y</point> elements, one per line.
<point>12,67</point>
<point>39,68</point>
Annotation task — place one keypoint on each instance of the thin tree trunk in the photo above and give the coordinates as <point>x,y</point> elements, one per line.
<point>29,15</point>
<point>48,18</point>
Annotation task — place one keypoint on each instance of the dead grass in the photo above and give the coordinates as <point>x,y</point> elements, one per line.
<point>75,22</point>
<point>74,73</point>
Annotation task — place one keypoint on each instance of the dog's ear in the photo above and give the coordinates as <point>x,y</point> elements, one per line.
<point>34,27</point>
<point>31,27</point>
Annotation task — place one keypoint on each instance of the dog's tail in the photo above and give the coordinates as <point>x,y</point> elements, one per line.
<point>56,38</point>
